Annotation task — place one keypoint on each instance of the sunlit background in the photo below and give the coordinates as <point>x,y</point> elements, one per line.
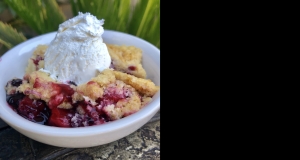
<point>23,19</point>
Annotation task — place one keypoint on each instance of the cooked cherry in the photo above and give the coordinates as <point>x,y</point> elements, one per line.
<point>34,110</point>
<point>132,68</point>
<point>61,117</point>
<point>64,94</point>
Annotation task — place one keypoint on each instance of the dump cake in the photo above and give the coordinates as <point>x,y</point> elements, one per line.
<point>78,80</point>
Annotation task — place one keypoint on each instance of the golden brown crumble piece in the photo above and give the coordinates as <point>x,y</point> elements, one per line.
<point>144,86</point>
<point>91,90</point>
<point>65,105</point>
<point>41,79</point>
<point>126,106</point>
<point>77,97</point>
<point>105,77</point>
<point>36,61</point>
<point>127,59</point>
<point>146,100</point>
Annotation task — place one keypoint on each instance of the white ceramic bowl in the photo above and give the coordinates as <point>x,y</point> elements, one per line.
<point>13,63</point>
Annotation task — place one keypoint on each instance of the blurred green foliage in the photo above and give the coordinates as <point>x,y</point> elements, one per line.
<point>6,39</point>
<point>137,17</point>
<point>41,15</point>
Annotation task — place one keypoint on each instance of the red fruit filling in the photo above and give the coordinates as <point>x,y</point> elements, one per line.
<point>64,94</point>
<point>38,111</point>
<point>34,110</point>
<point>61,117</point>
<point>132,68</point>
<point>37,60</point>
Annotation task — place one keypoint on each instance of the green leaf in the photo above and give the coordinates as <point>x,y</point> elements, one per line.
<point>43,16</point>
<point>145,22</point>
<point>9,36</point>
<point>115,12</point>
<point>139,17</point>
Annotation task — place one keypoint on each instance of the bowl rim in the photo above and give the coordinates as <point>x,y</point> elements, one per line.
<point>19,122</point>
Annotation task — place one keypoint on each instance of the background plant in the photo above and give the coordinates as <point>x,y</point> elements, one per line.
<point>136,17</point>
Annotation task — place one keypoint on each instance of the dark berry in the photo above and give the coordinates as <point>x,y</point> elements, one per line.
<point>71,82</point>
<point>105,117</point>
<point>14,99</point>
<point>34,110</point>
<point>112,66</point>
<point>16,82</point>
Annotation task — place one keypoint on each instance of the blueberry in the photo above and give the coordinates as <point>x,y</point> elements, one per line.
<point>71,82</point>
<point>16,82</point>
<point>14,99</point>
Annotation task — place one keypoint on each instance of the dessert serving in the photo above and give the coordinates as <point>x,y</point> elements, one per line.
<point>78,80</point>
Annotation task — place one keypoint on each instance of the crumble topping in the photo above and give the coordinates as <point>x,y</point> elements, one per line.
<point>114,93</point>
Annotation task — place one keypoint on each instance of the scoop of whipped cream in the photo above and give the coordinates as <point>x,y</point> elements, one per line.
<point>77,52</point>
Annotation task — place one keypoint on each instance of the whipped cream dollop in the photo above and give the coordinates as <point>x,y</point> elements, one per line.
<point>77,52</point>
